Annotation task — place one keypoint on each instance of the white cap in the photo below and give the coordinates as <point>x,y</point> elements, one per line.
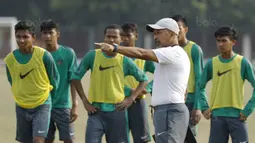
<point>164,23</point>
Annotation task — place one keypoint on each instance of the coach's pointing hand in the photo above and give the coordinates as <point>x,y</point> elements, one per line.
<point>105,47</point>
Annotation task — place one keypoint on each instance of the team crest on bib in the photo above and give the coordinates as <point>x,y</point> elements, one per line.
<point>60,62</point>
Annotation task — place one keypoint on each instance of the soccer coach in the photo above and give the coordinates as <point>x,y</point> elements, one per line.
<point>171,75</point>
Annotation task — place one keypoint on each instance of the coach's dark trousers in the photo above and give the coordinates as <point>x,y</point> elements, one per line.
<point>171,123</point>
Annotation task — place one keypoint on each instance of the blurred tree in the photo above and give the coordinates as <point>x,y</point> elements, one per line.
<point>238,13</point>
<point>204,16</point>
<point>91,12</point>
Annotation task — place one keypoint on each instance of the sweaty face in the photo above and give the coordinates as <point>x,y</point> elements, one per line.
<point>112,36</point>
<point>24,39</point>
<point>183,31</point>
<point>128,38</point>
<point>50,36</point>
<point>224,43</point>
<point>162,37</point>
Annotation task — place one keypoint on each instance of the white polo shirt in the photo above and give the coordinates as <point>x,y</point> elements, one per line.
<point>171,75</point>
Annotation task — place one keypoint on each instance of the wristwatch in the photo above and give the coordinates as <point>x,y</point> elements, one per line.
<point>115,47</point>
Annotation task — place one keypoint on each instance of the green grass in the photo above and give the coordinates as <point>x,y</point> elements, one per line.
<point>8,119</point>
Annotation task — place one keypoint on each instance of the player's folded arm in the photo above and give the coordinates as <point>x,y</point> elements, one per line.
<point>52,70</point>
<point>73,63</point>
<point>197,58</point>
<point>76,76</point>
<point>86,64</point>
<point>149,87</point>
<point>127,91</point>
<point>205,77</point>
<point>131,69</point>
<point>149,67</point>
<point>8,75</point>
<point>249,74</point>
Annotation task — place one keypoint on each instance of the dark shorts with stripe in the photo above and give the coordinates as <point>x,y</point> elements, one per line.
<point>60,119</point>
<point>138,121</point>
<point>32,122</point>
<point>223,127</point>
<point>113,124</point>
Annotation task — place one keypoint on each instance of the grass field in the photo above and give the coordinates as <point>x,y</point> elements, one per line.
<point>8,119</point>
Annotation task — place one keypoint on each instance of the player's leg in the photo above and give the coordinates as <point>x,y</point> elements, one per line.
<point>52,130</point>
<point>116,126</point>
<point>219,132</point>
<point>24,126</point>
<point>65,128</point>
<point>238,130</point>
<point>171,123</point>
<point>41,120</point>
<point>191,125</point>
<point>138,121</point>
<point>94,129</point>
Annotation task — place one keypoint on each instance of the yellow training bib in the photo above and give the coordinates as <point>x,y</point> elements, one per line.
<point>130,81</point>
<point>227,84</point>
<point>191,82</point>
<point>30,82</point>
<point>107,79</point>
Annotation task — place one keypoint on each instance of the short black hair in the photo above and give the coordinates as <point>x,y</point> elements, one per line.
<point>231,32</point>
<point>180,18</point>
<point>113,26</point>
<point>26,25</point>
<point>126,27</point>
<point>48,25</point>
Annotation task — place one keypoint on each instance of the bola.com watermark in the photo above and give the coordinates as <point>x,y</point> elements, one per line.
<point>37,21</point>
<point>206,22</point>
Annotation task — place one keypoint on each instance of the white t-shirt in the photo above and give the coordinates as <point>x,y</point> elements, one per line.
<point>171,75</point>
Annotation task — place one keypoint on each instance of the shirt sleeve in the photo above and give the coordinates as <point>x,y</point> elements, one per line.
<point>197,59</point>
<point>149,87</point>
<point>149,67</point>
<point>249,75</point>
<point>52,70</point>
<point>72,64</point>
<point>127,90</point>
<point>9,78</point>
<point>131,69</point>
<point>167,55</point>
<point>86,64</point>
<point>206,76</point>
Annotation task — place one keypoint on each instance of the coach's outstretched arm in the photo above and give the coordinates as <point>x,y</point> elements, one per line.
<point>133,52</point>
